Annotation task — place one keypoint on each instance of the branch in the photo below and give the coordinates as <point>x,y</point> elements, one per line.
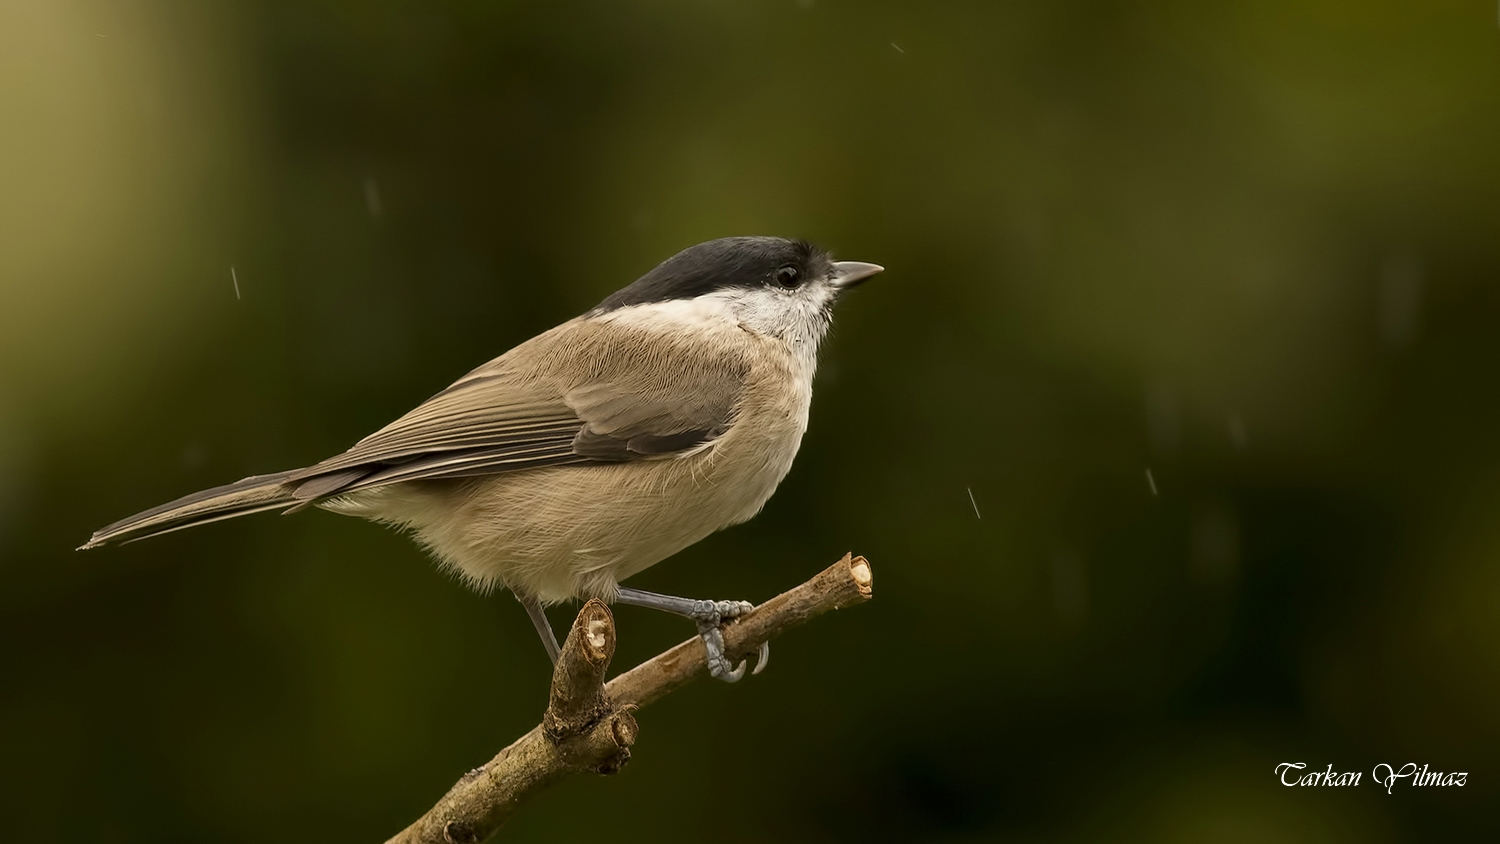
<point>590,726</point>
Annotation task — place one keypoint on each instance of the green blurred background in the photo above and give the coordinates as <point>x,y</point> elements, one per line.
<point>1249,246</point>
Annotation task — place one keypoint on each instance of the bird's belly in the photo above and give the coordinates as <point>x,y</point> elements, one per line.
<point>576,531</point>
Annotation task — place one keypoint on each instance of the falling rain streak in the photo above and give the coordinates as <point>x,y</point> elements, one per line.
<point>372,196</point>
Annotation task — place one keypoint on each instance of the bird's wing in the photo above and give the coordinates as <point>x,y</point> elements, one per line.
<point>584,392</point>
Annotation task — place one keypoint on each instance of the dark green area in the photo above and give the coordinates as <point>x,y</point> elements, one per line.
<point>1250,247</point>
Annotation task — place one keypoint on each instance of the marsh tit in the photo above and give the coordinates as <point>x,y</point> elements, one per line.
<point>671,410</point>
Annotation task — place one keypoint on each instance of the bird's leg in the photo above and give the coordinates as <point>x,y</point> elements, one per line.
<point>543,628</point>
<point>709,615</point>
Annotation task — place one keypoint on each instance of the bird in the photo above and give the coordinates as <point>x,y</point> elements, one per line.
<point>669,411</point>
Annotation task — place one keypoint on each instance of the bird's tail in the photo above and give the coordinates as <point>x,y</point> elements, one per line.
<point>251,495</point>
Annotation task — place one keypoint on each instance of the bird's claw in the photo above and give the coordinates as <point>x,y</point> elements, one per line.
<point>710,615</point>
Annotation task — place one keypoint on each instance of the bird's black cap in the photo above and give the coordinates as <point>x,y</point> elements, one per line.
<point>728,262</point>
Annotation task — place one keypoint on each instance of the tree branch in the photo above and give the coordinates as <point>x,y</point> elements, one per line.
<point>590,726</point>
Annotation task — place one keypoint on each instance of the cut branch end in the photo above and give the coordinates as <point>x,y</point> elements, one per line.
<point>591,726</point>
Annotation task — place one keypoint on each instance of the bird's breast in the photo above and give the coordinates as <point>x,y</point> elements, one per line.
<point>750,460</point>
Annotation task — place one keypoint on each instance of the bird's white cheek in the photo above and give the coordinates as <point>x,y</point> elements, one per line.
<point>764,310</point>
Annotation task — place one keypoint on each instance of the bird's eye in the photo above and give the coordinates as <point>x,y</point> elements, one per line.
<point>788,277</point>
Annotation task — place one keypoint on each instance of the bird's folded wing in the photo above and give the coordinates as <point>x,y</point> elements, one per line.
<point>581,393</point>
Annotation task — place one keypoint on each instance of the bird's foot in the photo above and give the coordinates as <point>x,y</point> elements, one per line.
<point>710,616</point>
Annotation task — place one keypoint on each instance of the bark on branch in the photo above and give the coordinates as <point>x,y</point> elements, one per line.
<point>590,726</point>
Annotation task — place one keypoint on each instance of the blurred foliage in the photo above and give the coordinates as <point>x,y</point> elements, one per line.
<point>1247,247</point>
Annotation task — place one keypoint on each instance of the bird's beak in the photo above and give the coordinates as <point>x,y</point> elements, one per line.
<point>847,274</point>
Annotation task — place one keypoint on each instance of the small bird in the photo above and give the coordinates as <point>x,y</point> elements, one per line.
<point>597,449</point>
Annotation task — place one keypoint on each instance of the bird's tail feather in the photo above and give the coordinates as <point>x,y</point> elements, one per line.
<point>251,495</point>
